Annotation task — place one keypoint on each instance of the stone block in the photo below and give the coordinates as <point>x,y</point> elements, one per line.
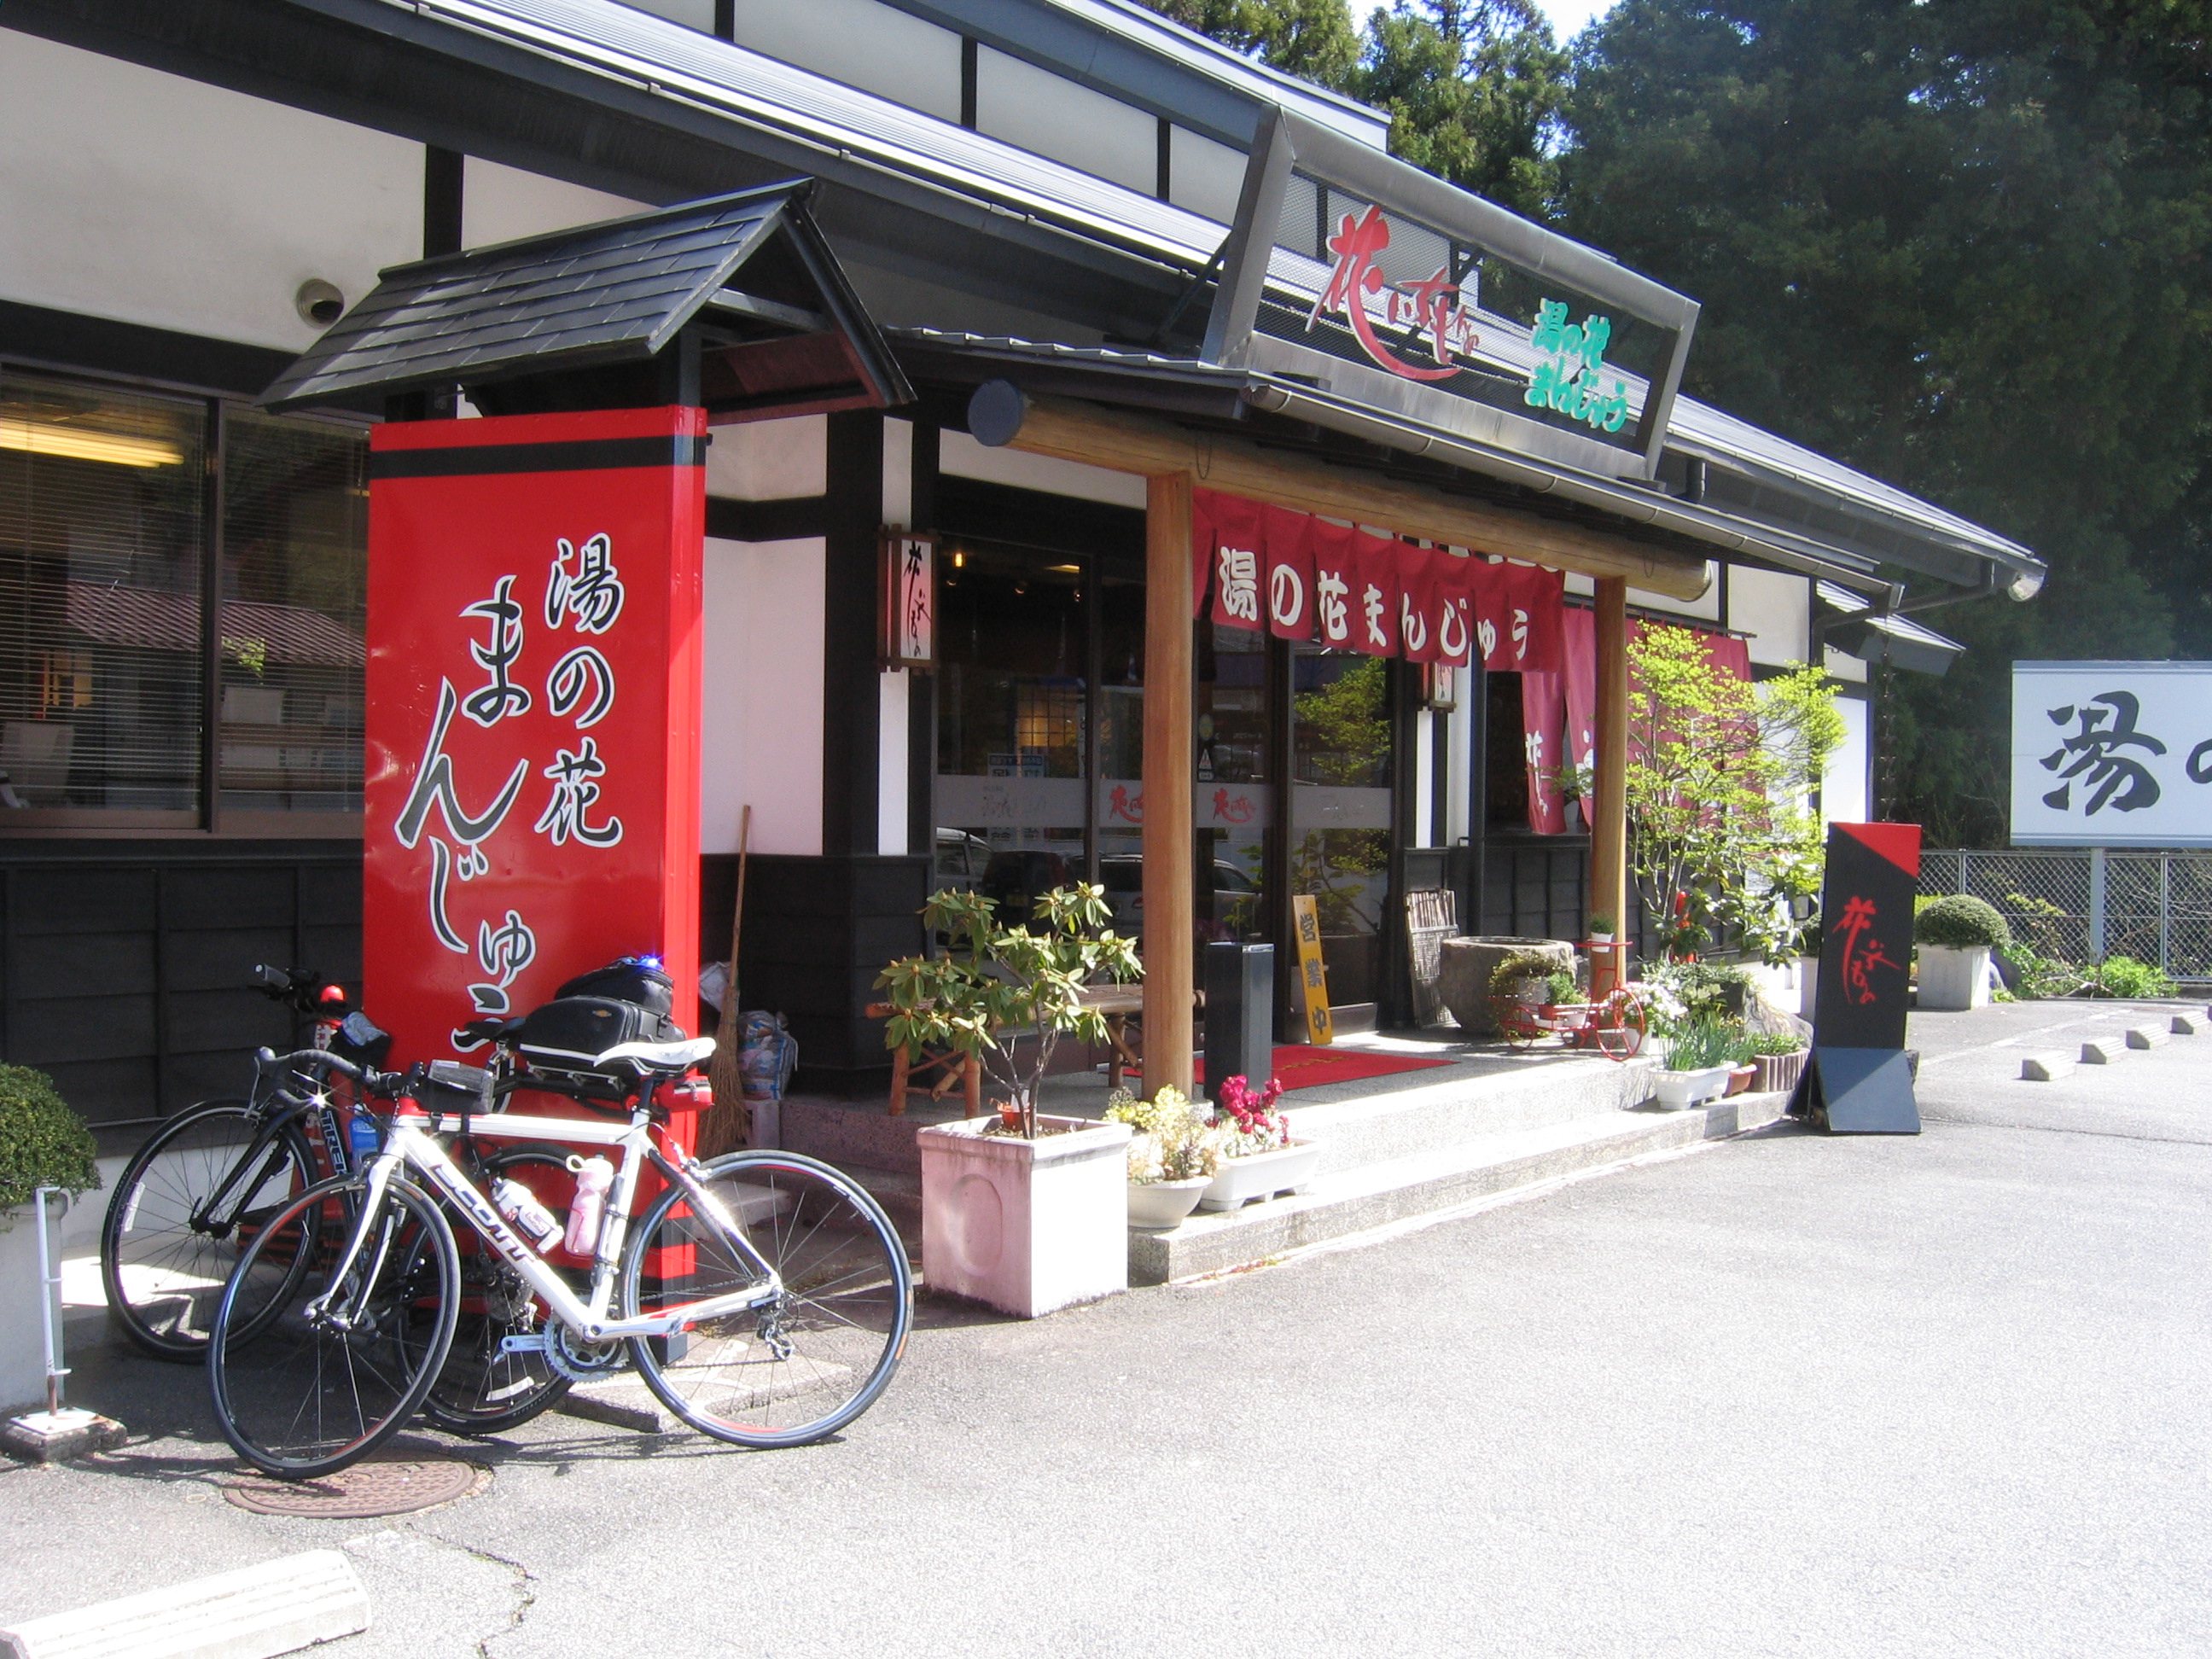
<point>2147,1036</point>
<point>2187,1025</point>
<point>276,1606</point>
<point>2103,1051</point>
<point>2048,1067</point>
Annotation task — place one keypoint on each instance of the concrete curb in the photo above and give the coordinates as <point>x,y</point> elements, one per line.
<point>277,1606</point>
<point>2048,1067</point>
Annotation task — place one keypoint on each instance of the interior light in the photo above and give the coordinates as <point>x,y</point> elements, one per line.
<point>1065,570</point>
<point>70,443</point>
<point>959,559</point>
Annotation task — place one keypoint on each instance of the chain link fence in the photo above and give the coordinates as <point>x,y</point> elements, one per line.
<point>2154,906</point>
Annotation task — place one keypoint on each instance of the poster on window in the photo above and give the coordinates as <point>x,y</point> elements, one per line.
<point>2111,754</point>
<point>531,799</point>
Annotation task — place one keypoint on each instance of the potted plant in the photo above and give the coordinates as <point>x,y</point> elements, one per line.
<point>1955,936</point>
<point>42,1144</point>
<point>1742,1062</point>
<point>1780,1058</point>
<point>1023,1211</point>
<point>1260,1158</point>
<point>1696,1065</point>
<point>1600,927</point>
<point>1521,993</point>
<point>1172,1156</point>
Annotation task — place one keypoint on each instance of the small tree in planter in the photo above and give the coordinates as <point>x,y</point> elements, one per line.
<point>990,982</point>
<point>1718,779</point>
<point>42,1144</point>
<point>1028,1216</point>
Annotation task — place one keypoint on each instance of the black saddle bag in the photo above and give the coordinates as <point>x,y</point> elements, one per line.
<point>627,979</point>
<point>561,1039</point>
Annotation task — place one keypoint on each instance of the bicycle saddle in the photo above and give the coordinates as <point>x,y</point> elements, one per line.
<point>673,1058</point>
<point>492,1030</point>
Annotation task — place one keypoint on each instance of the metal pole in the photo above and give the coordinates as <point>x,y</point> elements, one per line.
<point>2096,905</point>
<point>50,1287</point>
<point>1964,886</point>
<point>2166,913</point>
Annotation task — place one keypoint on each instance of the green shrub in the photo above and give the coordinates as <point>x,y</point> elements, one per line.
<point>1961,921</point>
<point>42,1142</point>
<point>1701,1043</point>
<point>1505,979</point>
<point>1777,1042</point>
<point>2125,977</point>
<point>1560,987</point>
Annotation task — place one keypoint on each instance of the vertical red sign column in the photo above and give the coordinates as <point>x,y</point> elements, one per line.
<point>531,799</point>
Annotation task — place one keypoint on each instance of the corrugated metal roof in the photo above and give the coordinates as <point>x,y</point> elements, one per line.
<point>1900,627</point>
<point>677,62</point>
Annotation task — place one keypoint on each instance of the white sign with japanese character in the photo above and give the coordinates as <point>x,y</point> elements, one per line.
<point>2111,754</point>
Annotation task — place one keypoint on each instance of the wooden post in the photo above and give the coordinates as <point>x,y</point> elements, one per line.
<point>1609,882</point>
<point>1170,959</point>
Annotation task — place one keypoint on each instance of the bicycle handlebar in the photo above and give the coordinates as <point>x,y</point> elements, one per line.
<point>275,1067</point>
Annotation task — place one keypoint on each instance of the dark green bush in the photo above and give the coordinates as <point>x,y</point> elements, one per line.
<point>42,1142</point>
<point>1961,921</point>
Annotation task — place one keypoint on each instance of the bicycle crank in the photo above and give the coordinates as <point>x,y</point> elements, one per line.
<point>578,1361</point>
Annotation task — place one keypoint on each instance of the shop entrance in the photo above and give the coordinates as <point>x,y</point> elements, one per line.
<point>1040,758</point>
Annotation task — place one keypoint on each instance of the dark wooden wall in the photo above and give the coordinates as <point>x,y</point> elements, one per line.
<point>124,965</point>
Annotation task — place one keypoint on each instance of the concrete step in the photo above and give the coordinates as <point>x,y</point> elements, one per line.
<point>1375,1195</point>
<point>1371,1120</point>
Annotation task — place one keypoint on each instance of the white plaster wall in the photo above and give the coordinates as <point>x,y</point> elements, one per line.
<point>962,456</point>
<point>1707,609</point>
<point>500,203</point>
<point>145,197</point>
<point>770,460</point>
<point>1050,115</point>
<point>761,725</point>
<point>1843,784</point>
<point>1204,176</point>
<point>863,45</point>
<point>1424,775</point>
<point>1458,739</point>
<point>1849,670</point>
<point>1771,607</point>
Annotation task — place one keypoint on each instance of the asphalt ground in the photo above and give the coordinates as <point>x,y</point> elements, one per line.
<point>1786,1394</point>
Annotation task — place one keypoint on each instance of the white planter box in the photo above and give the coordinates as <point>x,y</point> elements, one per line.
<point>1026,1226</point>
<point>1157,1205</point>
<point>1240,1180</point>
<point>1676,1091</point>
<point>1954,978</point>
<point>22,1344</point>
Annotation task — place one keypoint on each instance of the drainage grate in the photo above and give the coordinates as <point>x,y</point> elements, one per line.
<point>363,1491</point>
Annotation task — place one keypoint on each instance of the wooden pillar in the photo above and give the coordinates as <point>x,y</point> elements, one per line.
<point>1171,957</point>
<point>1609,882</point>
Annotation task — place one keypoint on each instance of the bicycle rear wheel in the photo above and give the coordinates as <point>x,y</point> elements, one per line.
<point>481,1388</point>
<point>811,1359</point>
<point>345,1362</point>
<point>163,1259</point>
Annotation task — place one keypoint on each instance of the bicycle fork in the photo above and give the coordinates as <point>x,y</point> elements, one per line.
<point>320,1310</point>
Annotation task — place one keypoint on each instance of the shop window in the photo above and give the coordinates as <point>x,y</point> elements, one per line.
<point>293,613</point>
<point>102,552</point>
<point>110,562</point>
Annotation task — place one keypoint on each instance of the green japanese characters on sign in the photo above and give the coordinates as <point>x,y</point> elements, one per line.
<point>1568,379</point>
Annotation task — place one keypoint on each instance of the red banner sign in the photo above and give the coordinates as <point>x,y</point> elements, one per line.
<point>531,802</point>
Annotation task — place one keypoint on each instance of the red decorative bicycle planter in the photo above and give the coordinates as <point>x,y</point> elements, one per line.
<point>1616,1025</point>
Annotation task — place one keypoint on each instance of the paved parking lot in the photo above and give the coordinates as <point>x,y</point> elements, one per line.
<point>1786,1394</point>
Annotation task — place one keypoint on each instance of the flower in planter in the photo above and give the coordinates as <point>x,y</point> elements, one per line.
<point>1253,1124</point>
<point>1173,1141</point>
<point>1700,1045</point>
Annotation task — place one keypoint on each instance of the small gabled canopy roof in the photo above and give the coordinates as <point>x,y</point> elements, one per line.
<point>781,325</point>
<point>1871,635</point>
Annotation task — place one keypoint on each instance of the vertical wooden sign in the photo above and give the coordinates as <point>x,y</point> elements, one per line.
<point>1859,1080</point>
<point>1313,976</point>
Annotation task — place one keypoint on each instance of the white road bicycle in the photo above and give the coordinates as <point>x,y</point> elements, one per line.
<point>764,1297</point>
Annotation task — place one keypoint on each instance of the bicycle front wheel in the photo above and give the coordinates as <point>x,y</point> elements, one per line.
<point>346,1359</point>
<point>809,1359</point>
<point>167,1248</point>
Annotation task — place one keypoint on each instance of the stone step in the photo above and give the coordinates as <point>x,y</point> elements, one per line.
<point>1375,1195</point>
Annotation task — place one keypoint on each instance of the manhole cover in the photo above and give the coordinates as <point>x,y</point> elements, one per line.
<point>362,1492</point>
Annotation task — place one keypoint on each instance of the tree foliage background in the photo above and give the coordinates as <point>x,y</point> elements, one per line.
<point>1964,245</point>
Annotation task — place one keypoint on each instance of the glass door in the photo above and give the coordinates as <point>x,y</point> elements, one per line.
<point>1340,812</point>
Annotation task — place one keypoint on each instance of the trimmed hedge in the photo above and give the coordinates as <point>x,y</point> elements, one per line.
<point>1961,922</point>
<point>42,1142</point>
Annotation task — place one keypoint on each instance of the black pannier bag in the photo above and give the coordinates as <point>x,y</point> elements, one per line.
<point>637,979</point>
<point>562,1038</point>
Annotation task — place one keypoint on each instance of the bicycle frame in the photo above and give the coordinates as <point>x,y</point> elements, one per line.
<point>279,1108</point>
<point>410,1143</point>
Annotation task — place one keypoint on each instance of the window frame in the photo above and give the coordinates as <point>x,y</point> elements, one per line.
<point>210,817</point>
